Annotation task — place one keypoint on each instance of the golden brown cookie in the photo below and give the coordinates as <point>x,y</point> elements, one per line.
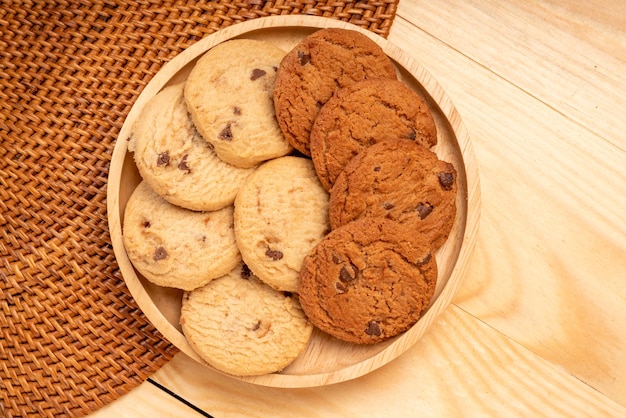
<point>176,247</point>
<point>243,327</point>
<point>281,212</point>
<point>361,115</point>
<point>314,69</point>
<point>367,281</point>
<point>229,95</point>
<point>177,163</point>
<point>400,180</point>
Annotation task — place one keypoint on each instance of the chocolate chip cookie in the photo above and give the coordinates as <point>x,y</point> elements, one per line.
<point>400,180</point>
<point>362,114</point>
<point>243,327</point>
<point>368,281</point>
<point>175,247</point>
<point>280,214</point>
<point>314,69</point>
<point>176,161</point>
<point>229,94</point>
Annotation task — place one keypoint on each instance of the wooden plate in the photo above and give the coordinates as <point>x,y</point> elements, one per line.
<point>325,360</point>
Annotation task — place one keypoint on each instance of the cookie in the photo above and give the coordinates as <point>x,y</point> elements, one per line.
<point>361,115</point>
<point>175,247</point>
<point>242,327</point>
<point>176,161</point>
<point>281,213</point>
<point>400,180</point>
<point>314,69</point>
<point>367,281</point>
<point>229,94</point>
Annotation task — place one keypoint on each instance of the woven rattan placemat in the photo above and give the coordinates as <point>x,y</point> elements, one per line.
<point>73,338</point>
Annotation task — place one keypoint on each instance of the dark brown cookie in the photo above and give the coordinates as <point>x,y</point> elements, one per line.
<point>314,69</point>
<point>367,281</point>
<point>363,114</point>
<point>400,180</point>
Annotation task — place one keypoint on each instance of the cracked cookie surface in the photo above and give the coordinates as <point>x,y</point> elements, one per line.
<point>241,326</point>
<point>313,70</point>
<point>229,93</point>
<point>367,281</point>
<point>175,247</point>
<point>363,114</point>
<point>400,180</point>
<point>281,213</point>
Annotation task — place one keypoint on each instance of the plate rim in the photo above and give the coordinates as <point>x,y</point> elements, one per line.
<point>470,228</point>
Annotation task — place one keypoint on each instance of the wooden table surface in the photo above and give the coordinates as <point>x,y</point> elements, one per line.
<point>537,327</point>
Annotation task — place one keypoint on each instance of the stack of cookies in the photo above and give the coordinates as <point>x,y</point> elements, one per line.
<point>283,191</point>
<point>224,212</point>
<point>392,201</point>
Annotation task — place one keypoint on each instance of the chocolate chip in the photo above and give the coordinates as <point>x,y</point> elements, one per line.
<point>160,254</point>
<point>245,272</point>
<point>303,58</point>
<point>287,294</point>
<point>226,134</point>
<point>446,180</point>
<point>236,111</point>
<point>261,328</point>
<point>275,68</point>
<point>337,259</point>
<point>373,329</point>
<point>163,159</point>
<point>412,135</point>
<point>377,168</point>
<point>274,254</point>
<point>424,209</point>
<point>340,287</point>
<point>257,73</point>
<point>183,166</point>
<point>348,273</point>
<point>424,260</point>
<point>146,224</point>
<point>388,205</point>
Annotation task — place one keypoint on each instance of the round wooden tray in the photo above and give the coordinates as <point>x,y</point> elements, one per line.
<point>325,360</point>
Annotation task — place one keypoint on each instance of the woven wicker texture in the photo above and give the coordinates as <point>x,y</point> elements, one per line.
<point>73,339</point>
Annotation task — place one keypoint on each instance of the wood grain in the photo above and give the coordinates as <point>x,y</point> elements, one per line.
<point>551,255</point>
<point>468,367</point>
<point>571,55</point>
